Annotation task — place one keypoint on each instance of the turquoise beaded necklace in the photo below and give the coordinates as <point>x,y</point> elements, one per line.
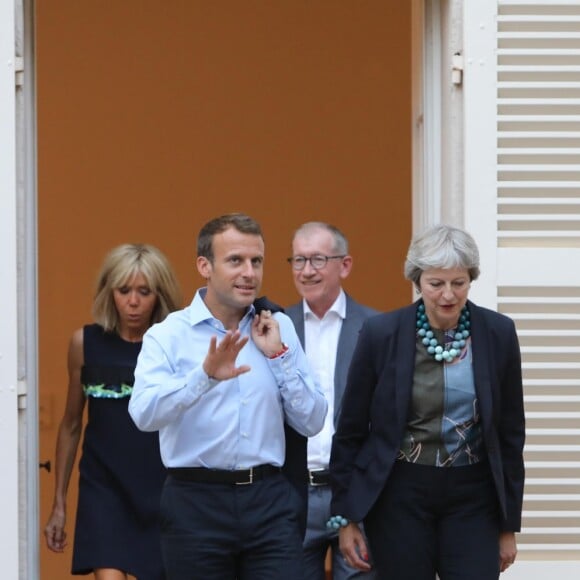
<point>452,349</point>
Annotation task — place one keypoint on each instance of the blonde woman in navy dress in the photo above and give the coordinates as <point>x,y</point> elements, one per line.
<point>121,474</point>
<point>429,446</point>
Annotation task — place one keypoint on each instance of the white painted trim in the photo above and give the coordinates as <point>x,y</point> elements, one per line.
<point>9,536</point>
<point>427,209</point>
<point>480,142</point>
<point>452,177</point>
<point>417,112</point>
<point>437,114</point>
<point>27,162</point>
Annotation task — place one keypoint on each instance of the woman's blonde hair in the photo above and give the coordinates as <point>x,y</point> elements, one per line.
<point>120,265</point>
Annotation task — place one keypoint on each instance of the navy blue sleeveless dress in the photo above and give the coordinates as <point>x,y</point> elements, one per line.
<point>121,473</point>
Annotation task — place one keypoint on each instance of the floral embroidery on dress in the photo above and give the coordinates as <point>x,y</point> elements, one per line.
<point>108,391</point>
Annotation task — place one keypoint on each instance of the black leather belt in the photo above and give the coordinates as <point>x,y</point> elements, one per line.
<point>238,477</point>
<point>319,477</point>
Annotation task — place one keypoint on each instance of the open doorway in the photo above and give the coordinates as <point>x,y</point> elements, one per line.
<point>153,118</point>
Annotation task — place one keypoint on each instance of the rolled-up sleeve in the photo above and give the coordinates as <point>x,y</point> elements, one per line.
<point>304,404</point>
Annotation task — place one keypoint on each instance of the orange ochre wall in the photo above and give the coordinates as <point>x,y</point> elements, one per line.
<point>154,117</point>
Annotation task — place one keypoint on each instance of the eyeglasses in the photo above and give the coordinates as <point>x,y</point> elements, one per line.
<point>317,262</point>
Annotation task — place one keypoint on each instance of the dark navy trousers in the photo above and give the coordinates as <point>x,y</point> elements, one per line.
<point>432,521</point>
<point>215,531</point>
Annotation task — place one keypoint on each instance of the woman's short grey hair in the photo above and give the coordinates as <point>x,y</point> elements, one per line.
<point>119,267</point>
<point>444,247</point>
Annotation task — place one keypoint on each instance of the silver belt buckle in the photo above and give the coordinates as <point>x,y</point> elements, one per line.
<point>250,478</point>
<point>311,473</point>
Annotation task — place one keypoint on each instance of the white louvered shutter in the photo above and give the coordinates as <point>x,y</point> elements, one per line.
<point>522,171</point>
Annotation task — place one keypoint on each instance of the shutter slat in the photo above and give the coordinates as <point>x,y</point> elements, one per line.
<point>540,3</point>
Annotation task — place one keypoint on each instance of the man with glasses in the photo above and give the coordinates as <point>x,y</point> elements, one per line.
<point>327,322</point>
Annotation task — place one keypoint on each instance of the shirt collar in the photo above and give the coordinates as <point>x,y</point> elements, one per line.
<point>338,307</point>
<point>199,312</point>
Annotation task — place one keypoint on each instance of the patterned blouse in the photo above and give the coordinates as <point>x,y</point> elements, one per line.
<point>443,427</point>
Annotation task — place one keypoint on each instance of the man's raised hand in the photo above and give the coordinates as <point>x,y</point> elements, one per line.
<point>220,361</point>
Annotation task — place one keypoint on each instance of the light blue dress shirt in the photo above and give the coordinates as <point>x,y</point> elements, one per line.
<point>232,424</point>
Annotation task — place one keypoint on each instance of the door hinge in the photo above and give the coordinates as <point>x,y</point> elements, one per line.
<point>19,71</point>
<point>22,394</point>
<point>457,69</point>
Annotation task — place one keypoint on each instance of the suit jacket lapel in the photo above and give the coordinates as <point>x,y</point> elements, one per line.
<point>404,352</point>
<point>347,340</point>
<point>299,324</point>
<point>481,363</point>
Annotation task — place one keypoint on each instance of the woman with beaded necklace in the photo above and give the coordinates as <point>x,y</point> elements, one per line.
<point>429,447</point>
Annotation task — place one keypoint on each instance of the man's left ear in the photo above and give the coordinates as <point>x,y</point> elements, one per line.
<point>346,266</point>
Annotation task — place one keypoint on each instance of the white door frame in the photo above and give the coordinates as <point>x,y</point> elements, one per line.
<point>9,493</point>
<point>26,162</point>
<point>19,490</point>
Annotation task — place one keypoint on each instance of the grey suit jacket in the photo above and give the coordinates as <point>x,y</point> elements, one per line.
<point>356,314</point>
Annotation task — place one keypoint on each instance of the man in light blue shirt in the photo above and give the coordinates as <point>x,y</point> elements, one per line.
<point>218,381</point>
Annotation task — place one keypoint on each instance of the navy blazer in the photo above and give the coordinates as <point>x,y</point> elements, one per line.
<point>355,316</point>
<point>295,465</point>
<point>376,405</point>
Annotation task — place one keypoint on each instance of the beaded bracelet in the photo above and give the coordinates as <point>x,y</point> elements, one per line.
<point>282,351</point>
<point>337,522</point>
